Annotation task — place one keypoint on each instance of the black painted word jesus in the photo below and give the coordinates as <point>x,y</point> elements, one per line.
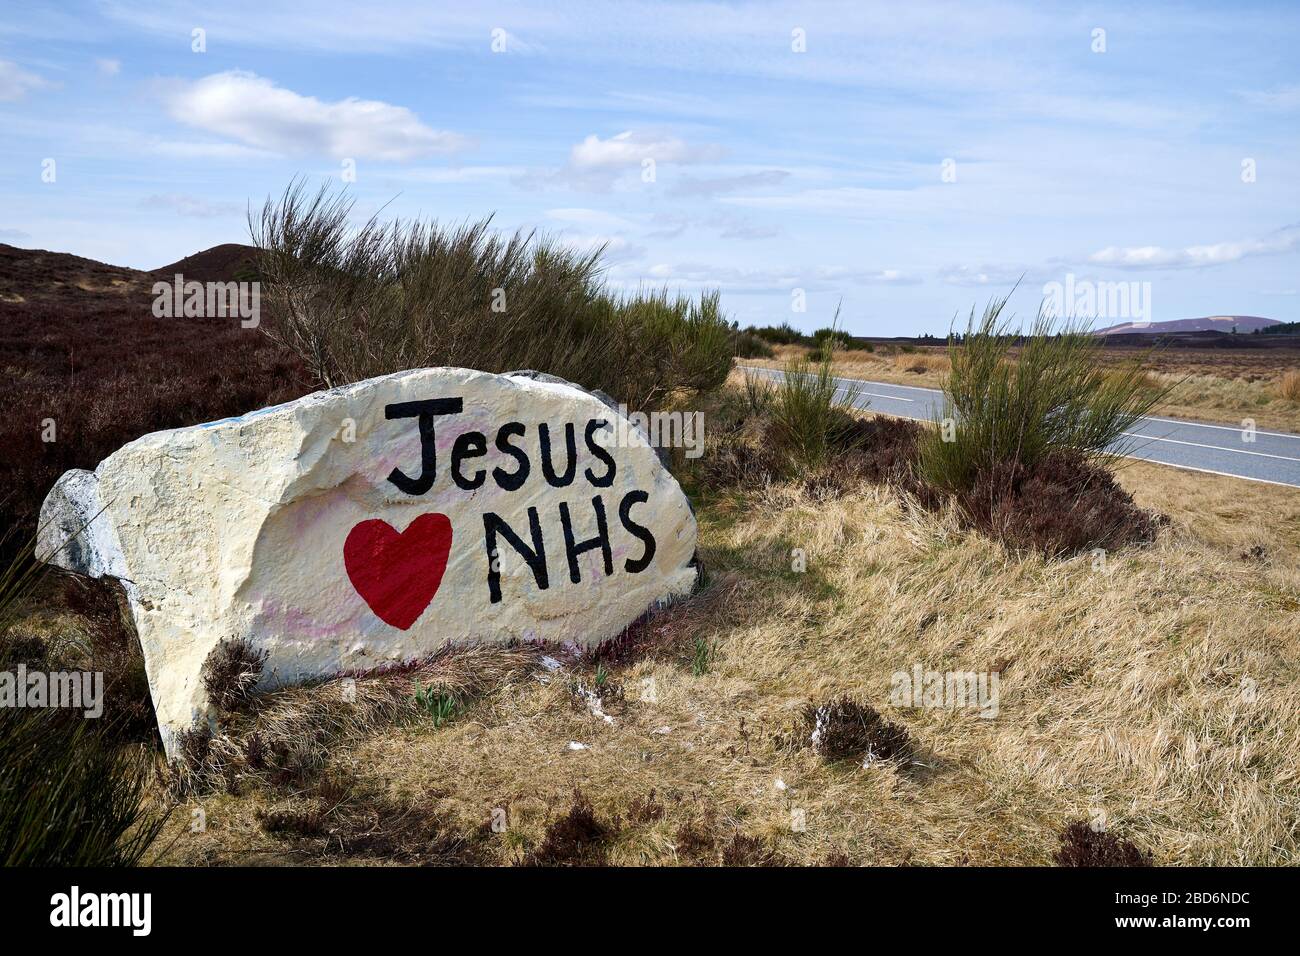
<point>512,446</point>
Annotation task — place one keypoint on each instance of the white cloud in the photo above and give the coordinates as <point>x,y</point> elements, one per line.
<point>253,110</point>
<point>15,82</point>
<point>735,227</point>
<point>596,165</point>
<point>457,174</point>
<point>866,276</point>
<point>633,147</point>
<point>1195,257</point>
<point>108,67</point>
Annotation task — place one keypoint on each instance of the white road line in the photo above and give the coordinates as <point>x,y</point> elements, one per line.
<point>1196,444</point>
<point>1229,428</point>
<point>915,388</point>
<point>892,398</point>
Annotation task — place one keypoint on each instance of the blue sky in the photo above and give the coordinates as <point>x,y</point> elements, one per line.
<point>774,169</point>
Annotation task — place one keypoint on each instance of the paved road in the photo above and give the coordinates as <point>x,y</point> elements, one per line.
<point>1272,457</point>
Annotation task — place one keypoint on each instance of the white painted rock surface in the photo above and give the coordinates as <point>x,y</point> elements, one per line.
<point>339,534</point>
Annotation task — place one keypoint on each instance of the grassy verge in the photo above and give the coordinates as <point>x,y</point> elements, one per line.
<point>1160,691</point>
<point>1154,690</point>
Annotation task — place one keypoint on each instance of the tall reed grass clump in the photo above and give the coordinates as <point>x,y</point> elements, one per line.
<point>1019,399</point>
<point>356,302</point>
<point>70,793</point>
<point>1029,432</point>
<point>810,410</point>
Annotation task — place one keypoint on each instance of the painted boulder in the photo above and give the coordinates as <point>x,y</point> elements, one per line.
<point>373,523</point>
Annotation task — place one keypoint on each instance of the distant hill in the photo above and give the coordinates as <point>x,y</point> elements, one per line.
<point>28,275</point>
<point>38,275</point>
<point>223,263</point>
<point>1210,323</point>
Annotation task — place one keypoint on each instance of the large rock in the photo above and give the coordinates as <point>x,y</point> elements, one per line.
<point>375,522</point>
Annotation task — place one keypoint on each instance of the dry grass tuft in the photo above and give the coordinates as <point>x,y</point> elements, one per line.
<point>343,817</point>
<point>666,633</point>
<point>230,673</point>
<point>288,734</point>
<point>1289,387</point>
<point>922,363</point>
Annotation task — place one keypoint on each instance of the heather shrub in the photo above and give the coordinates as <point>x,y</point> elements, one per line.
<point>847,729</point>
<point>1061,505</point>
<point>356,303</point>
<point>878,451</point>
<point>748,346</point>
<point>105,371</point>
<point>576,838</point>
<point>744,849</point>
<point>1081,845</point>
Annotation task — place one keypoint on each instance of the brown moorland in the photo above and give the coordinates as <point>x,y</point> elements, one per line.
<point>87,367</point>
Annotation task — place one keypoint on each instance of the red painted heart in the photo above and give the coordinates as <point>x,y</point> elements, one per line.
<point>398,573</point>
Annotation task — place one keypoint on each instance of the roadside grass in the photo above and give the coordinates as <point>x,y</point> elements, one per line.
<point>1162,691</point>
